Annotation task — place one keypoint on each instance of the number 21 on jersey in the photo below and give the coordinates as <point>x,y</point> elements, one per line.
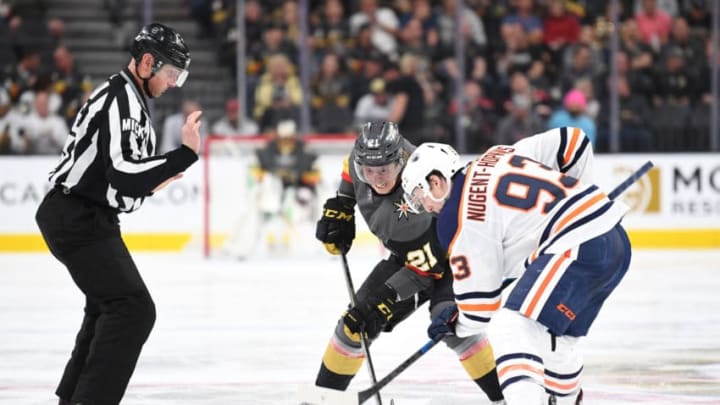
<point>423,258</point>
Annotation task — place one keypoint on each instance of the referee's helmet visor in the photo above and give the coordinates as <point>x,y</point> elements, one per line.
<point>174,74</point>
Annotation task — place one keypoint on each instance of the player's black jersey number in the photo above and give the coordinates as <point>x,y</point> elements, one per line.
<point>521,190</point>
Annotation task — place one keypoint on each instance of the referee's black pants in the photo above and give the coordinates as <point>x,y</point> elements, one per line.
<point>119,312</point>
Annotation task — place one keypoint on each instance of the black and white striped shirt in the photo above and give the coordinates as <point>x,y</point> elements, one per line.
<point>108,157</point>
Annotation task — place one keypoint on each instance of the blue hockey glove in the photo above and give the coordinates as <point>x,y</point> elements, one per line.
<point>444,323</point>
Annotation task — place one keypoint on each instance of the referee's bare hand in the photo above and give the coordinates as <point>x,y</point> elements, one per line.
<point>191,131</point>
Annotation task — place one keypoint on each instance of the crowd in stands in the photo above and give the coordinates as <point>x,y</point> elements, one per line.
<point>529,65</point>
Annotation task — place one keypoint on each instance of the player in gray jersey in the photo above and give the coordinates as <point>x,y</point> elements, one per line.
<point>416,270</point>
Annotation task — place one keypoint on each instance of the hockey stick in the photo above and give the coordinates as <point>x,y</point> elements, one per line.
<point>365,394</point>
<point>314,395</point>
<point>620,188</point>
<point>363,339</point>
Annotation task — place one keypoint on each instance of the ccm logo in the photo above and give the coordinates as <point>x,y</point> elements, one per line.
<point>566,311</point>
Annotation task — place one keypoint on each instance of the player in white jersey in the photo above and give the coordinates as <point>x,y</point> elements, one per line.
<point>524,216</point>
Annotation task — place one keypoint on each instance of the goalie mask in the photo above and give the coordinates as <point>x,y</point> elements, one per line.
<point>378,156</point>
<point>172,56</point>
<point>429,158</point>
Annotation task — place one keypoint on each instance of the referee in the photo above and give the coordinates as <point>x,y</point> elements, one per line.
<point>108,166</point>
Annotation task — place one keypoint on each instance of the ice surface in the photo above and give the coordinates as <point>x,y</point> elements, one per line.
<point>253,332</point>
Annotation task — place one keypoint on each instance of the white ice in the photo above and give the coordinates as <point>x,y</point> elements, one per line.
<point>253,332</point>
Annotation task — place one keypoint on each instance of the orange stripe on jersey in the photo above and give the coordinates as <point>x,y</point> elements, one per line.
<point>468,176</point>
<point>544,285</point>
<point>563,387</point>
<point>533,370</point>
<point>571,147</point>
<point>577,211</point>
<point>480,307</point>
<point>346,170</point>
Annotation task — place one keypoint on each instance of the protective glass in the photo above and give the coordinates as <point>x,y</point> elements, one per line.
<point>174,74</point>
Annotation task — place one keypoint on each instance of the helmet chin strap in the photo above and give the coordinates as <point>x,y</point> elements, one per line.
<point>445,196</point>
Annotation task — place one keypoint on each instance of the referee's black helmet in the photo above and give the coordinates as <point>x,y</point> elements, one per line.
<point>164,43</point>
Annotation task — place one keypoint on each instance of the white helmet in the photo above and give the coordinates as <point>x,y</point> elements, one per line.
<point>428,158</point>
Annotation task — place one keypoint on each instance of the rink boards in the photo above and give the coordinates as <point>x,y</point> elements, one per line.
<point>677,205</point>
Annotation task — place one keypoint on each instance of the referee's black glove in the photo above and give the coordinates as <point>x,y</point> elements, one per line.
<point>336,228</point>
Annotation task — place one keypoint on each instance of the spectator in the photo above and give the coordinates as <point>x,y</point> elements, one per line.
<point>475,40</point>
<point>704,92</point>
<point>287,15</point>
<point>366,69</point>
<point>472,27</point>
<point>560,29</point>
<point>573,115</point>
<point>409,103</point>
<point>331,97</point>
<point>518,53</point>
<point>383,25</point>
<point>363,49</point>
<point>588,90</point>
<point>668,6</point>
<point>413,41</point>
<point>172,126</point>
<point>278,78</point>
<point>529,23</point>
<point>374,106</point>
<point>674,82</point>
<point>479,118</point>
<point>43,83</point>
<point>520,123</point>
<point>41,132</point>
<point>330,29</point>
<point>520,85</point>
<point>640,56</point>
<point>699,18</point>
<point>72,86</point>
<point>22,76</point>
<point>281,109</point>
<point>635,115</point>
<point>230,124</point>
<point>691,47</point>
<point>422,11</point>
<point>581,68</point>
<point>254,26</point>
<point>275,42</point>
<point>653,24</point>
<point>278,93</point>
<point>589,40</point>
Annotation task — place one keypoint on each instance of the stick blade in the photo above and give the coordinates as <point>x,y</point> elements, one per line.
<point>314,395</point>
